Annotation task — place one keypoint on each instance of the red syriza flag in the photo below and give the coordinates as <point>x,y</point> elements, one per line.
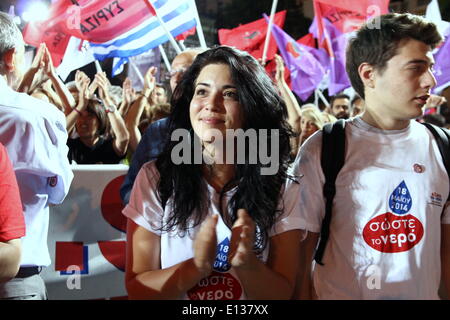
<point>96,21</point>
<point>250,37</point>
<point>184,35</point>
<point>347,15</point>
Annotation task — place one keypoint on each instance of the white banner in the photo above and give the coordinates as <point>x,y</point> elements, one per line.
<point>87,237</point>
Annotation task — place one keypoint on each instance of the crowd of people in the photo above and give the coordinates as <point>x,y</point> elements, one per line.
<point>222,217</point>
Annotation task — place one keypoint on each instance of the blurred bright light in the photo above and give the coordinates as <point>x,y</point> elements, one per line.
<point>35,11</point>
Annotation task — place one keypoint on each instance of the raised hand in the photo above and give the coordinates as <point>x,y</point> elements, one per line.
<point>80,78</point>
<point>103,86</point>
<point>279,73</point>
<point>127,92</point>
<point>205,245</point>
<point>82,82</point>
<point>242,241</point>
<point>149,81</point>
<point>38,62</point>
<point>49,69</point>
<point>435,101</point>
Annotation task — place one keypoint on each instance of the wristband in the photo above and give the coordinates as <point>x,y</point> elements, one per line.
<point>75,109</point>
<point>141,94</point>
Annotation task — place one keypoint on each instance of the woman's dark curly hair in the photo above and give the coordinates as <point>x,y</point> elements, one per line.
<point>262,108</point>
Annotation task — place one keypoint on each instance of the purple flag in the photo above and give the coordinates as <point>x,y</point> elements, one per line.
<point>442,63</point>
<point>338,76</point>
<point>306,70</point>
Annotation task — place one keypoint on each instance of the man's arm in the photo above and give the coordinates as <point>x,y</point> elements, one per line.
<point>12,222</point>
<point>10,253</point>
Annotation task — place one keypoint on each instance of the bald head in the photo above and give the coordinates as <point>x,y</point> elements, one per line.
<point>180,64</point>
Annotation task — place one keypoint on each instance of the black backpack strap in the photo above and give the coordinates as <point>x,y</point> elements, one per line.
<point>332,160</point>
<point>443,141</point>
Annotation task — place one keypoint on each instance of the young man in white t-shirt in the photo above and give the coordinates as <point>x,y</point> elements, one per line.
<point>390,230</point>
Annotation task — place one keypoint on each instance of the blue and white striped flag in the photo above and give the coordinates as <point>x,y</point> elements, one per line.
<point>177,15</point>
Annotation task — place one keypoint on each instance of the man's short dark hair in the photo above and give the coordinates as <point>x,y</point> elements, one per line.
<point>376,45</point>
<point>338,96</point>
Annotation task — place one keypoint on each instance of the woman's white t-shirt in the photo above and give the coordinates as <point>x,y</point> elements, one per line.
<point>145,210</point>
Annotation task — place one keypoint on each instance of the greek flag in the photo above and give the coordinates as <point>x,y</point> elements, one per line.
<point>177,15</point>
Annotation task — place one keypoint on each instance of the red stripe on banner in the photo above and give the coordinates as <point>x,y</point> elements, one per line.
<point>68,254</point>
<point>112,206</point>
<point>114,252</point>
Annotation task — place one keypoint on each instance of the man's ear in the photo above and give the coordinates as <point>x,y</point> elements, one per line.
<point>367,74</point>
<point>8,60</point>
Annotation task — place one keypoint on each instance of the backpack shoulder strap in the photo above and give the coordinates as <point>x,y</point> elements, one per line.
<point>442,137</point>
<point>332,160</point>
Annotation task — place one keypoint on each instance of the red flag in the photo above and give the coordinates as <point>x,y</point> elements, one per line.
<point>49,33</point>
<point>184,35</point>
<point>96,21</point>
<point>308,40</point>
<point>55,39</point>
<point>250,37</point>
<point>347,15</point>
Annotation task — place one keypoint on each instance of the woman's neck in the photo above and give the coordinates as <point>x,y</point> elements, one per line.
<point>218,175</point>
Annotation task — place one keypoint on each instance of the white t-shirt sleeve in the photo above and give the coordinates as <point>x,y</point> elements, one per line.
<point>144,207</point>
<point>290,216</point>
<point>310,199</point>
<point>37,141</point>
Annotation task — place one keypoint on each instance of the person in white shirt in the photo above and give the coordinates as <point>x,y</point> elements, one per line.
<point>390,226</point>
<point>34,133</point>
<point>219,228</point>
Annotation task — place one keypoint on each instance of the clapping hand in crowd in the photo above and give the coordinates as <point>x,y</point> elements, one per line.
<point>128,96</point>
<point>118,129</point>
<point>205,246</point>
<point>279,71</point>
<point>149,81</point>
<point>30,81</point>
<point>133,116</point>
<point>435,101</point>
<point>82,83</point>
<point>242,241</point>
<point>42,70</point>
<point>103,89</point>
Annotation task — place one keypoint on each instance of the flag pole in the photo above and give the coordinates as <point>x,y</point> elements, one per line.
<point>98,67</point>
<point>163,25</point>
<point>164,56</point>
<point>183,47</point>
<point>201,36</point>
<point>316,98</point>
<point>327,104</point>
<point>269,30</point>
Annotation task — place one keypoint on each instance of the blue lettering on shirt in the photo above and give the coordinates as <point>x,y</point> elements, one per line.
<point>400,200</point>
<point>221,263</point>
